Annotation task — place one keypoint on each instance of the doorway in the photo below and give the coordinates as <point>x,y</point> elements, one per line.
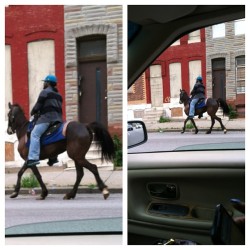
<point>219,78</point>
<point>92,80</point>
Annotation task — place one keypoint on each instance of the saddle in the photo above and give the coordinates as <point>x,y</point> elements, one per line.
<point>53,134</point>
<point>200,104</point>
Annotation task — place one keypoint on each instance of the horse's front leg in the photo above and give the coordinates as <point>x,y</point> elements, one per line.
<point>18,183</point>
<point>39,178</point>
<point>184,126</point>
<point>196,129</point>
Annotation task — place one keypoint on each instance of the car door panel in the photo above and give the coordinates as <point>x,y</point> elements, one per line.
<point>200,181</point>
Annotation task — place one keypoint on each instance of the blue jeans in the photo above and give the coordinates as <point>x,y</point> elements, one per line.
<point>192,107</point>
<point>34,149</point>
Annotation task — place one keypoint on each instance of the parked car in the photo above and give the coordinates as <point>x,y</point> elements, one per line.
<point>172,195</point>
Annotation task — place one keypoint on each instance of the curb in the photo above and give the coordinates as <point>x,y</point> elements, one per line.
<point>189,130</point>
<point>62,190</point>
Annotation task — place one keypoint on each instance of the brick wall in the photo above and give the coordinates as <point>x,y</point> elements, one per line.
<point>28,23</point>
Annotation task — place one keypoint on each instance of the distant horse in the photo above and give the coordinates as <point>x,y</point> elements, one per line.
<point>77,143</point>
<point>210,107</point>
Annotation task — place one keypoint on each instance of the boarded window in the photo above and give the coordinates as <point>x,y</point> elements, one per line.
<point>8,79</point>
<point>156,86</point>
<point>194,37</point>
<point>194,72</point>
<point>240,74</point>
<point>41,62</point>
<point>175,79</point>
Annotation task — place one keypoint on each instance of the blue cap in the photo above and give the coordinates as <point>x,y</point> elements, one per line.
<point>199,78</point>
<point>50,78</point>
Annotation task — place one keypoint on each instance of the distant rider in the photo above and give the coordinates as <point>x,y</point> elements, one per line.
<point>197,93</point>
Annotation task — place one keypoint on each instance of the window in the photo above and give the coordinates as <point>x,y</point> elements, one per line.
<point>175,79</point>
<point>240,74</point>
<point>41,62</point>
<point>239,27</point>
<point>156,85</point>
<point>194,37</point>
<point>177,42</point>
<point>194,71</point>
<point>218,30</point>
<point>8,79</point>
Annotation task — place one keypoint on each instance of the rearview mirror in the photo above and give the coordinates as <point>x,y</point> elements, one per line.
<point>137,133</point>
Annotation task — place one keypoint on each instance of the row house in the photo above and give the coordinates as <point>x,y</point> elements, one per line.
<point>217,53</point>
<point>81,45</point>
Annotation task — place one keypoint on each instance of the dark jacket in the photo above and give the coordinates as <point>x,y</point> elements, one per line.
<point>48,106</point>
<point>198,91</point>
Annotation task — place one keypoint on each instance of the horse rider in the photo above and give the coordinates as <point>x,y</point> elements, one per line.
<point>197,93</point>
<point>48,109</point>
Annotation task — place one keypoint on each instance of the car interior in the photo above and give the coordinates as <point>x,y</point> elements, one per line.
<point>172,196</point>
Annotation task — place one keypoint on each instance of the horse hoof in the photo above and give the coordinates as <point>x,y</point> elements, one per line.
<point>14,195</point>
<point>208,132</point>
<point>68,197</point>
<point>225,131</point>
<point>105,193</point>
<point>40,198</point>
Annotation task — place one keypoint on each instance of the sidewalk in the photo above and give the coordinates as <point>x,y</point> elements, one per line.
<point>202,124</point>
<point>60,180</point>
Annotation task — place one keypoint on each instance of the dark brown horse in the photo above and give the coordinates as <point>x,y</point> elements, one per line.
<point>211,108</point>
<point>77,143</point>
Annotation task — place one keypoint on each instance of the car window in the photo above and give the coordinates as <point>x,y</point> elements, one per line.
<point>216,54</point>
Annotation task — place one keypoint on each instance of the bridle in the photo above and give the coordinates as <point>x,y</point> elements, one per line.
<point>181,101</point>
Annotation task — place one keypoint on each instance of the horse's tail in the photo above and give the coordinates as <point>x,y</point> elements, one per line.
<point>104,139</point>
<point>224,106</point>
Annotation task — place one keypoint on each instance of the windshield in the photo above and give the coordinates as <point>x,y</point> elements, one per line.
<point>163,94</point>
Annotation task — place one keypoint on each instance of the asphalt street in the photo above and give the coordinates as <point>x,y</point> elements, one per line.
<point>25,209</point>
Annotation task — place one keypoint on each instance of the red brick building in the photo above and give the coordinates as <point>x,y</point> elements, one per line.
<point>176,68</point>
<point>34,45</point>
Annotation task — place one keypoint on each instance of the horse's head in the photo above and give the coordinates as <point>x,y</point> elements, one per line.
<point>183,96</point>
<point>13,115</point>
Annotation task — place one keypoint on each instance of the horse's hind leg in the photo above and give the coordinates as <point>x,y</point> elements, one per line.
<point>39,178</point>
<point>102,187</point>
<point>221,124</point>
<point>18,183</point>
<point>79,175</point>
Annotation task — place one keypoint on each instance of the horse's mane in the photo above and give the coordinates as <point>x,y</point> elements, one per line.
<point>20,108</point>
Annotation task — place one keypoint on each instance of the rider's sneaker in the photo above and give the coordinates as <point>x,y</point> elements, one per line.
<point>31,163</point>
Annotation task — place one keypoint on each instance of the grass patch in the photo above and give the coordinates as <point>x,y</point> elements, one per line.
<point>189,125</point>
<point>92,186</point>
<point>232,113</point>
<point>29,181</point>
<point>164,119</point>
<point>118,151</point>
